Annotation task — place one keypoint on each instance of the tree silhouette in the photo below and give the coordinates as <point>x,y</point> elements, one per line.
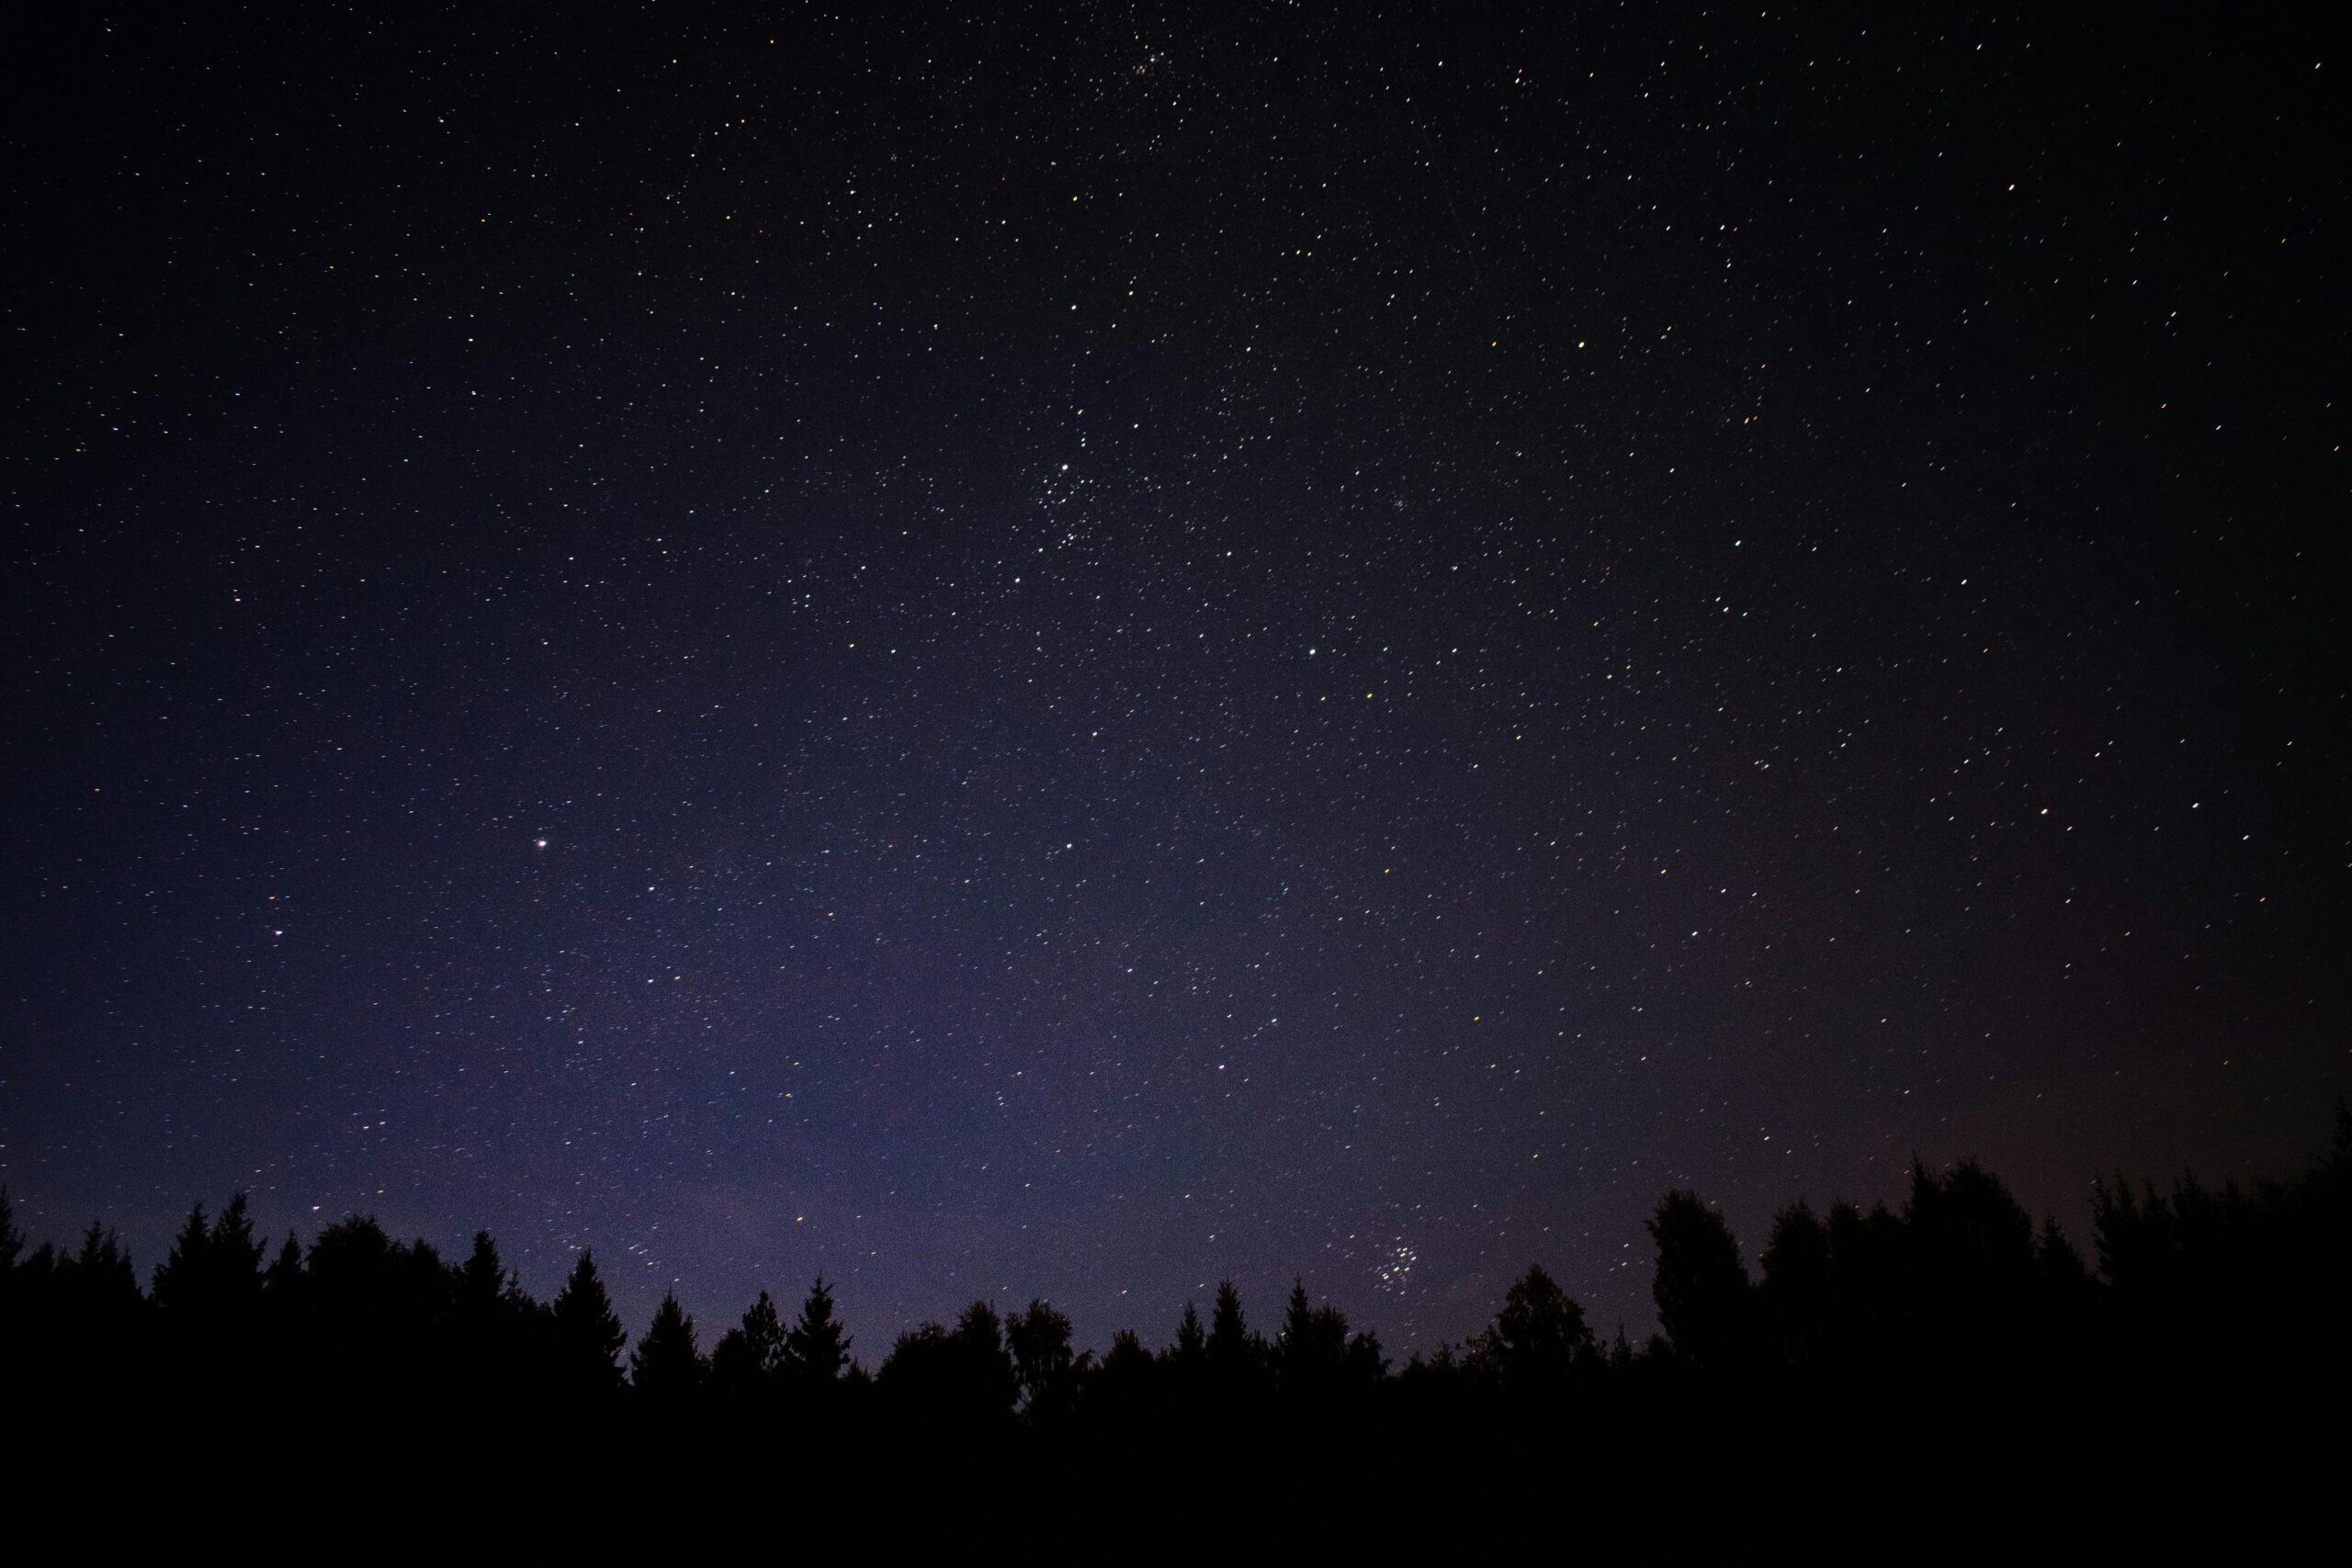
<point>1126,1368</point>
<point>491,1321</point>
<point>1232,1352</point>
<point>587,1334</point>
<point>12,1240</point>
<point>667,1365</point>
<point>1968,1235</point>
<point>1191,1343</point>
<point>1043,1364</point>
<point>1701,1288</point>
<point>982,1360</point>
<point>1310,1355</point>
<point>960,1379</point>
<point>1538,1338</point>
<point>816,1348</point>
<point>97,1281</point>
<point>183,1283</point>
<point>285,1268</point>
<point>1798,1294</point>
<point>1953,1320</point>
<point>749,1360</point>
<point>2057,1262</point>
<point>482,1280</point>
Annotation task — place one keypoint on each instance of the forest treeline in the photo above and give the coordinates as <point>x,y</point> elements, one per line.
<point>1952,1320</point>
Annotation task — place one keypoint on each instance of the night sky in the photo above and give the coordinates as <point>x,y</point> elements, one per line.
<point>1063,651</point>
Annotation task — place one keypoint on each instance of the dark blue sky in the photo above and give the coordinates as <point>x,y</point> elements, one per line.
<point>1061,656</point>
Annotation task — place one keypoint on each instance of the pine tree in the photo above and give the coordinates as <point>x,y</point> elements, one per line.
<point>587,1333</point>
<point>180,1279</point>
<point>99,1279</point>
<point>212,1276</point>
<point>1228,1342</point>
<point>482,1280</point>
<point>1234,1361</point>
<point>1191,1343</point>
<point>235,1255</point>
<point>284,1271</point>
<point>1311,1352</point>
<point>816,1348</point>
<point>667,1364</point>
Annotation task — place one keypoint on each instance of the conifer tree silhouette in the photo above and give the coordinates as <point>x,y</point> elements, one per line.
<point>491,1321</point>
<point>667,1365</point>
<point>98,1280</point>
<point>1955,1315</point>
<point>587,1333</point>
<point>1311,1353</point>
<point>1192,1342</point>
<point>180,1282</point>
<point>1228,1342</point>
<point>817,1348</point>
<point>2057,1262</point>
<point>482,1280</point>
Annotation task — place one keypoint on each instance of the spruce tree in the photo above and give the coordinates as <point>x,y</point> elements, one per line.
<point>816,1348</point>
<point>179,1284</point>
<point>667,1364</point>
<point>587,1333</point>
<point>1192,1341</point>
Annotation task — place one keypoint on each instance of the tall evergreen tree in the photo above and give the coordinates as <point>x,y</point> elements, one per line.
<point>236,1254</point>
<point>98,1280</point>
<point>180,1282</point>
<point>1311,1352</point>
<point>587,1334</point>
<point>482,1280</point>
<point>1228,1342</point>
<point>817,1346</point>
<point>284,1271</point>
<point>1192,1341</point>
<point>667,1364</point>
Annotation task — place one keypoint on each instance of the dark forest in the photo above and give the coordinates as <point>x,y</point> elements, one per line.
<point>1888,1369</point>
